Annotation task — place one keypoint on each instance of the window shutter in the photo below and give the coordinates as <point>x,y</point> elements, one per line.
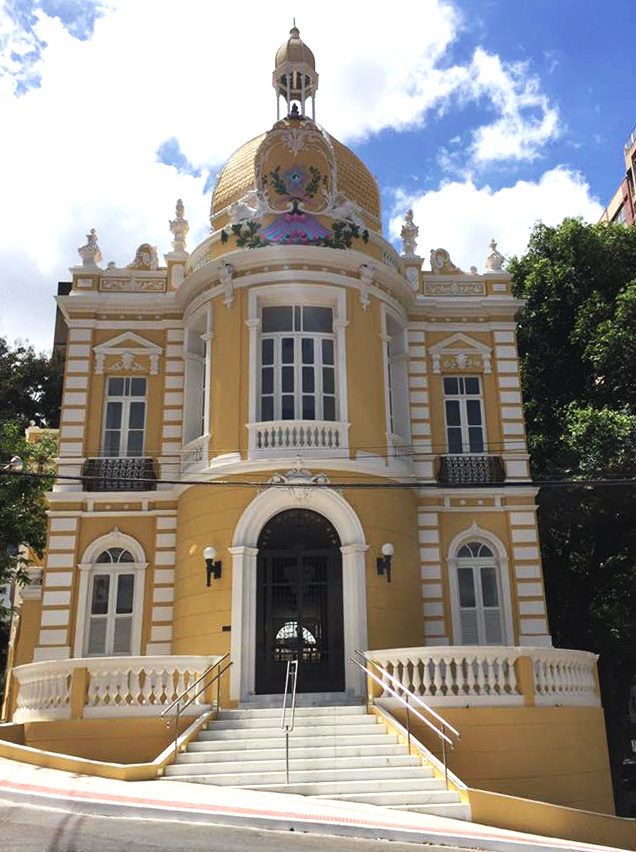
<point>97,636</point>
<point>122,634</point>
<point>492,623</point>
<point>470,631</point>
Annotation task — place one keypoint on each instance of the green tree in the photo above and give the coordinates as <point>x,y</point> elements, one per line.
<point>577,343</point>
<point>30,385</point>
<point>30,391</point>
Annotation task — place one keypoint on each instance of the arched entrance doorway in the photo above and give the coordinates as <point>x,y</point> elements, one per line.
<point>299,603</point>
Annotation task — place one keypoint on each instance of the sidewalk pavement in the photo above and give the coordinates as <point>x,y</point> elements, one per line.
<point>178,800</point>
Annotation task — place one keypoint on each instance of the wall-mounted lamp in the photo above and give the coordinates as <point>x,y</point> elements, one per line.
<point>384,562</point>
<point>212,568</point>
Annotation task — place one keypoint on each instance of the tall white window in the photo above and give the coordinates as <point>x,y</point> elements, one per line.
<point>396,377</point>
<point>111,604</point>
<point>195,384</point>
<point>479,591</point>
<point>297,363</point>
<point>464,411</point>
<point>125,418</point>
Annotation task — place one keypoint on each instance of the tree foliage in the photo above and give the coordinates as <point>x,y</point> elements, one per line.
<point>30,385</point>
<point>577,343</point>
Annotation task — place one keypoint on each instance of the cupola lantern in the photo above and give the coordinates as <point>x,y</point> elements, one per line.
<point>295,78</point>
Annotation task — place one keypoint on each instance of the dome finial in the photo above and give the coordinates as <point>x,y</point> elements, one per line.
<point>295,77</point>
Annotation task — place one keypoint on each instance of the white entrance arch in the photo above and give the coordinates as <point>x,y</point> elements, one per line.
<point>244,551</point>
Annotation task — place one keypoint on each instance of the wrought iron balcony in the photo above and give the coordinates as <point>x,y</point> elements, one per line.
<point>119,474</point>
<point>471,470</point>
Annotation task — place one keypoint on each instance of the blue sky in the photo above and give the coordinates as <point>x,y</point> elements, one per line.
<point>482,116</point>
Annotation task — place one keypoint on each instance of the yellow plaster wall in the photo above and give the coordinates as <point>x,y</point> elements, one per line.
<point>230,365</point>
<point>112,740</point>
<point>518,814</point>
<point>365,378</point>
<point>552,754</point>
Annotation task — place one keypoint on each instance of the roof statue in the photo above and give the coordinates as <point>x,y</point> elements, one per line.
<point>441,263</point>
<point>90,253</point>
<point>179,227</point>
<point>409,234</point>
<point>295,78</point>
<point>495,260</point>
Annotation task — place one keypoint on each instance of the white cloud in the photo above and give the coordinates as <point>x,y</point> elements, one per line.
<point>81,151</point>
<point>462,218</point>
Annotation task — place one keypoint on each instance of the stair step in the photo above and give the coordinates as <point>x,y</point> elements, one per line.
<point>304,699</point>
<point>299,732</point>
<point>276,712</point>
<point>301,723</point>
<point>233,740</point>
<point>451,810</point>
<point>367,778</point>
<point>239,751</point>
<point>277,762</point>
<point>383,793</point>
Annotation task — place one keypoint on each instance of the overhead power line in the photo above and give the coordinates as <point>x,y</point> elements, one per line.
<point>406,484</point>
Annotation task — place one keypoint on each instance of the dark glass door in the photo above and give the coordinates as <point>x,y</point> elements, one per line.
<point>299,605</point>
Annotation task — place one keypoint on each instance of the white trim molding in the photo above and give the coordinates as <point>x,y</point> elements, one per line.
<point>244,553</point>
<point>477,533</point>
<point>88,564</point>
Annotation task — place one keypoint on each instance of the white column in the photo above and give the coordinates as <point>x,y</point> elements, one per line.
<point>354,600</point>
<point>243,641</point>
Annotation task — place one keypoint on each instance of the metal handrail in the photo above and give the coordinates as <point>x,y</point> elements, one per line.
<point>441,733</point>
<point>289,712</point>
<point>177,701</point>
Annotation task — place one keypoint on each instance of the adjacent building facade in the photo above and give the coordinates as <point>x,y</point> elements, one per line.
<point>622,207</point>
<point>248,427</point>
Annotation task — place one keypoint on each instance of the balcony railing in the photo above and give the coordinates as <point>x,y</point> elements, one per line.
<point>467,469</point>
<point>119,474</point>
<point>105,686</point>
<point>294,437</point>
<point>493,675</point>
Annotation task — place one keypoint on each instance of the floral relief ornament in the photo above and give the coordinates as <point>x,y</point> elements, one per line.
<point>226,277</point>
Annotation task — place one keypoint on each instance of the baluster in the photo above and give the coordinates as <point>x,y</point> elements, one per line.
<point>135,686</point>
<point>469,675</point>
<point>481,676</point>
<point>451,676</point>
<point>491,675</point>
<point>438,680</point>
<point>408,674</point>
<point>419,667</point>
<point>511,677</point>
<point>145,686</point>
<point>181,681</point>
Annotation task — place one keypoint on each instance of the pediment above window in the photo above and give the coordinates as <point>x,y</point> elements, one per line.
<point>460,354</point>
<point>127,353</point>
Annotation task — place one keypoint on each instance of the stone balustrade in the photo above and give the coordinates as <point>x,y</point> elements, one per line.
<point>473,676</point>
<point>290,437</point>
<point>93,687</point>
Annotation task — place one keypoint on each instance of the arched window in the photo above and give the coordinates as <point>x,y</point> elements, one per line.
<point>110,598</point>
<point>479,595</point>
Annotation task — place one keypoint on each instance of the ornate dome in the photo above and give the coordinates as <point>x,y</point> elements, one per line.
<point>294,50</point>
<point>353,179</point>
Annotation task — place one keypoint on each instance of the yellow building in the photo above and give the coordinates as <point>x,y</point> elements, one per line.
<point>295,440</point>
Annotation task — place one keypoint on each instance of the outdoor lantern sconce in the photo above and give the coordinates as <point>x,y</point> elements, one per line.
<point>384,562</point>
<point>212,568</point>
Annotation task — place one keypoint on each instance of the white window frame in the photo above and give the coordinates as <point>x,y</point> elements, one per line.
<point>476,533</point>
<point>88,567</point>
<point>396,383</point>
<point>199,325</point>
<point>462,398</point>
<point>125,417</point>
<point>298,364</point>
<point>282,294</point>
<point>113,571</point>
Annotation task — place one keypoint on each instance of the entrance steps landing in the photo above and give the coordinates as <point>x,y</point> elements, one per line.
<point>336,752</point>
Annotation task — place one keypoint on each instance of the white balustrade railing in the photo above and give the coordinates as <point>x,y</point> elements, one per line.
<point>462,676</point>
<point>45,691</point>
<point>194,455</point>
<point>291,437</point>
<point>564,677</point>
<point>114,686</point>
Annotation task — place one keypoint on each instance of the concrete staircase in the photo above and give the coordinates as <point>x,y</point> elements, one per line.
<point>339,752</point>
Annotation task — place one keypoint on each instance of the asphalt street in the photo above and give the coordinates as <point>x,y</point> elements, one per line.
<point>26,828</point>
